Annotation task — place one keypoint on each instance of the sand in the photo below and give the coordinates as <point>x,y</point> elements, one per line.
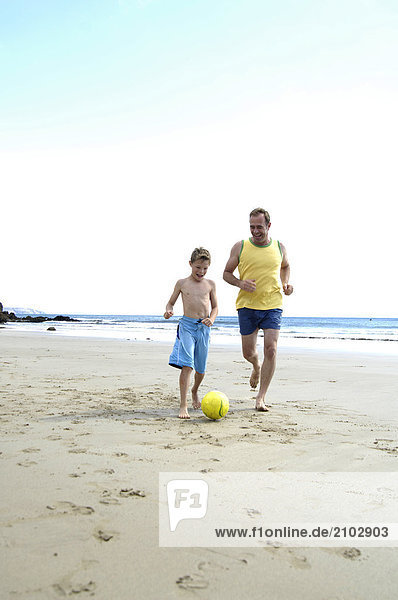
<point>88,424</point>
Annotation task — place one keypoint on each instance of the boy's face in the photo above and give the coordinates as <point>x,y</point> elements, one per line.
<point>199,268</point>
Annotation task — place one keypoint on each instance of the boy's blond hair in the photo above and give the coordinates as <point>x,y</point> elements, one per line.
<point>200,254</point>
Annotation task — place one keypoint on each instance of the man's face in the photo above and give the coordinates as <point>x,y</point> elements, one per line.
<point>259,229</point>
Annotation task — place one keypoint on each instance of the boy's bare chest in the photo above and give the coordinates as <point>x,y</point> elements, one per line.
<point>199,293</point>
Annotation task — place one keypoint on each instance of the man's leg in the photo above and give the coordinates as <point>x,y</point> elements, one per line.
<point>197,381</point>
<point>185,377</point>
<point>249,351</point>
<point>268,367</point>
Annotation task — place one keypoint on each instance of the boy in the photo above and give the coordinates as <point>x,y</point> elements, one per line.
<point>193,332</point>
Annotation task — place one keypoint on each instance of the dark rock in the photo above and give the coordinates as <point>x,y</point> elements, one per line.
<point>30,319</point>
<point>5,316</point>
<point>44,319</point>
<point>61,318</point>
<point>51,329</point>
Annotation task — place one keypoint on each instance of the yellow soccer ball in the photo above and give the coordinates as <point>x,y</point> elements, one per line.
<point>215,405</point>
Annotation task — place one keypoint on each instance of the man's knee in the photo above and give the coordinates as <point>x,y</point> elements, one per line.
<point>270,351</point>
<point>249,353</point>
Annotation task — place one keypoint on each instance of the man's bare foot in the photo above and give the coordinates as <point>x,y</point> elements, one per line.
<point>183,413</point>
<point>255,377</point>
<point>260,405</point>
<point>195,400</point>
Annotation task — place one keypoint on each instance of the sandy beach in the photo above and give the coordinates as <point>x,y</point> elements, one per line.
<point>88,424</point>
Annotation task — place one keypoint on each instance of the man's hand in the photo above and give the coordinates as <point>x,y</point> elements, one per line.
<point>287,289</point>
<point>208,322</point>
<point>168,314</point>
<point>248,285</point>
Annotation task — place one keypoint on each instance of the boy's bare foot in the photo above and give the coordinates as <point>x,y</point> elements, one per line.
<point>255,377</point>
<point>183,414</point>
<point>195,400</point>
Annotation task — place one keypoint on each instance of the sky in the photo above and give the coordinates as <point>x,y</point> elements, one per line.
<point>132,131</point>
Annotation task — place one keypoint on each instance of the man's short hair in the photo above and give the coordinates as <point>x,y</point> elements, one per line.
<point>260,211</point>
<point>200,254</point>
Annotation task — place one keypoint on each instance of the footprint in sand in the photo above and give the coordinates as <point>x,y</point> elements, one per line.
<point>351,553</point>
<point>105,471</point>
<point>211,567</point>
<point>65,508</point>
<point>69,589</point>
<point>387,445</point>
<point>27,463</point>
<point>125,493</point>
<point>252,512</point>
<point>105,536</point>
<point>107,498</point>
<point>295,557</point>
<point>192,582</point>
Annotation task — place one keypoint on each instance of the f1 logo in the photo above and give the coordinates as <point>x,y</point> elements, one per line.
<point>187,499</point>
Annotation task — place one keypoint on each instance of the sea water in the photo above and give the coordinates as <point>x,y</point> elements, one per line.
<point>372,335</point>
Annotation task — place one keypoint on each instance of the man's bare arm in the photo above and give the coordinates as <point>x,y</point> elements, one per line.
<point>249,285</point>
<point>285,272</point>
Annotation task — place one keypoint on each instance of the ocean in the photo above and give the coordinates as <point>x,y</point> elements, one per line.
<point>373,335</point>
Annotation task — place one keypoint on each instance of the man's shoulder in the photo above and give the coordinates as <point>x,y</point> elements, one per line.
<point>281,247</point>
<point>236,248</point>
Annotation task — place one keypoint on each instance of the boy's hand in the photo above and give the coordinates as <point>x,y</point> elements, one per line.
<point>208,322</point>
<point>168,314</point>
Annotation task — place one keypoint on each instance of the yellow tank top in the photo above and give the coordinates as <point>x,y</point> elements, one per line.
<point>263,264</point>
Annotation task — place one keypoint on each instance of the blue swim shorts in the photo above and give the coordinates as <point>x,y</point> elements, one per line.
<point>250,319</point>
<point>191,346</point>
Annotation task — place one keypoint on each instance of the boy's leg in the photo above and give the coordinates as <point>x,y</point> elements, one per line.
<point>200,360</point>
<point>185,377</point>
<point>268,367</point>
<point>195,397</point>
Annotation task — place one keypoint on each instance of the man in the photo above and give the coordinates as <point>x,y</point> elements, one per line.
<point>262,264</point>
